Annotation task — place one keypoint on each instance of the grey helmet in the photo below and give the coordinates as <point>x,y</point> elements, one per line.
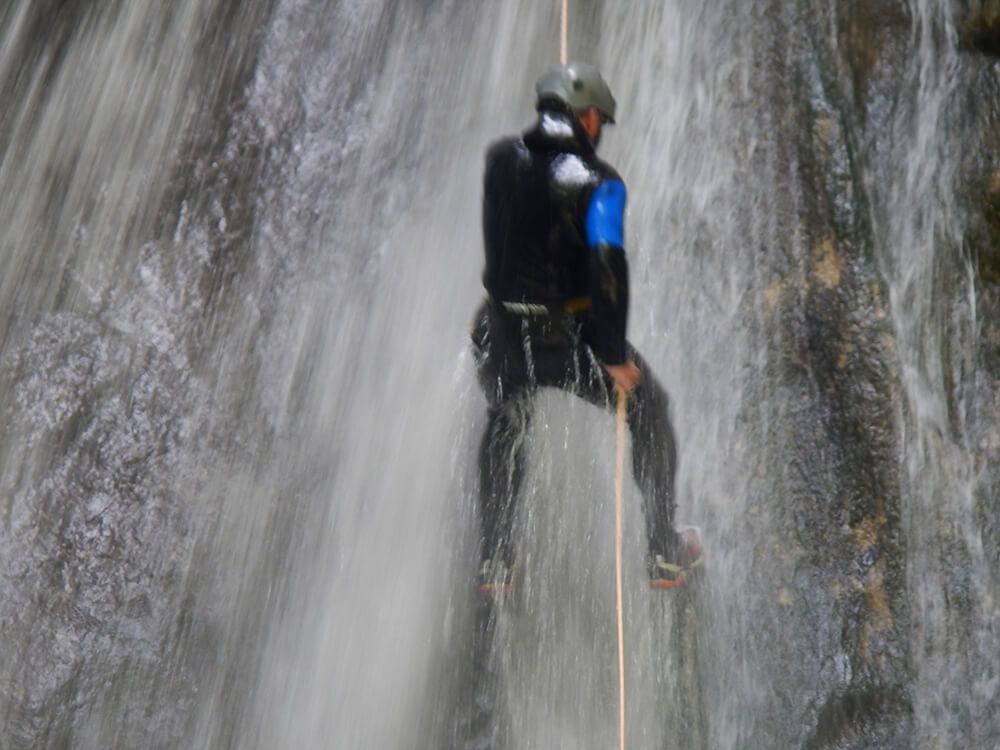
<point>579,86</point>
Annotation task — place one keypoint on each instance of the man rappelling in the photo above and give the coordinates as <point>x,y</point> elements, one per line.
<point>555,315</point>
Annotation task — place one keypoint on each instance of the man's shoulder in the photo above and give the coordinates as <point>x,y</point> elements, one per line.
<point>583,171</point>
<point>605,171</point>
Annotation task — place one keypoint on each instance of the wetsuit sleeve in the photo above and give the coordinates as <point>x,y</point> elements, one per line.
<point>497,181</point>
<point>608,270</point>
<point>491,220</point>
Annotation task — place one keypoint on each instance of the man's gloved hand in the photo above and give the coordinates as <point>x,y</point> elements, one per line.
<point>625,376</point>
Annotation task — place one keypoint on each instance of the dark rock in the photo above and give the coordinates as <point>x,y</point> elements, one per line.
<point>979,25</point>
<point>832,551</point>
<point>979,187</point>
<point>862,719</point>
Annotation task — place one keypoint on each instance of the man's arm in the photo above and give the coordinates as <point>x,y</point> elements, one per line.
<point>608,280</point>
<point>608,270</point>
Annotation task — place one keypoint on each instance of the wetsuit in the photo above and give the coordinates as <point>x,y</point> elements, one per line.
<point>556,278</point>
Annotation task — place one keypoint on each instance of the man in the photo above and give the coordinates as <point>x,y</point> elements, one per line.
<point>557,282</point>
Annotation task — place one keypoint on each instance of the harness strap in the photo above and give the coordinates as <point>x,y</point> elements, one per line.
<point>572,306</point>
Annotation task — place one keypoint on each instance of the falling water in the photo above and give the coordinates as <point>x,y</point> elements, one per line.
<point>933,291</point>
<point>242,247</point>
<point>105,395</point>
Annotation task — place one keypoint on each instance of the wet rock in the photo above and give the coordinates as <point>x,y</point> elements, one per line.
<point>871,40</point>
<point>96,539</point>
<point>102,395</point>
<point>840,552</point>
<point>985,429</point>
<point>832,551</point>
<point>978,381</point>
<point>862,719</point>
<point>979,25</point>
<point>979,186</point>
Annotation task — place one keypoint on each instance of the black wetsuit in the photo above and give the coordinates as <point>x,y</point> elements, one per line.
<point>557,284</point>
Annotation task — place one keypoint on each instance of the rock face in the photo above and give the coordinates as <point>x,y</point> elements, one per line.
<point>831,550</point>
<point>980,167</point>
<point>884,245</point>
<point>979,25</point>
<point>978,381</point>
<point>98,539</point>
<point>103,389</point>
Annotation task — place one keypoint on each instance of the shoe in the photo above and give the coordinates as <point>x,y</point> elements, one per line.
<point>495,577</point>
<point>667,573</point>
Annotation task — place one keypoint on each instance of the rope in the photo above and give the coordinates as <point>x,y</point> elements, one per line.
<point>619,484</point>
<point>564,34</point>
<point>619,470</point>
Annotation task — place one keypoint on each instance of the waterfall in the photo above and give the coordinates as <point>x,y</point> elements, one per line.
<point>934,311</point>
<point>242,253</point>
<point>103,408</point>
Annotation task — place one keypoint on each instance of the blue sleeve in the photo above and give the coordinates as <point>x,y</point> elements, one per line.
<point>605,222</point>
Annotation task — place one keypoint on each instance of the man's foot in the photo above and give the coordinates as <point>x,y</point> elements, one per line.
<point>495,577</point>
<point>667,572</point>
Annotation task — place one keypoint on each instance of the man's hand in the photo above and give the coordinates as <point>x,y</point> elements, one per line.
<point>625,376</point>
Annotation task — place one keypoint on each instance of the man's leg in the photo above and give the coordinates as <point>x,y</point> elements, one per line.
<point>654,459</point>
<point>502,375</point>
<point>501,471</point>
<point>654,450</point>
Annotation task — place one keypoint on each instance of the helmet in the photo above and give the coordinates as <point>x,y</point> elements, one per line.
<point>579,86</point>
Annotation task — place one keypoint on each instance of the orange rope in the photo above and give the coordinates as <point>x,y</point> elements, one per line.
<point>619,470</point>
<point>619,485</point>
<point>564,34</point>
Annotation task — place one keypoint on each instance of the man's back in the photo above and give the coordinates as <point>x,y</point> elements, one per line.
<point>535,195</point>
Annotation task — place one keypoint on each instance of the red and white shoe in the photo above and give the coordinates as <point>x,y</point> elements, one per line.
<point>495,577</point>
<point>667,573</point>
